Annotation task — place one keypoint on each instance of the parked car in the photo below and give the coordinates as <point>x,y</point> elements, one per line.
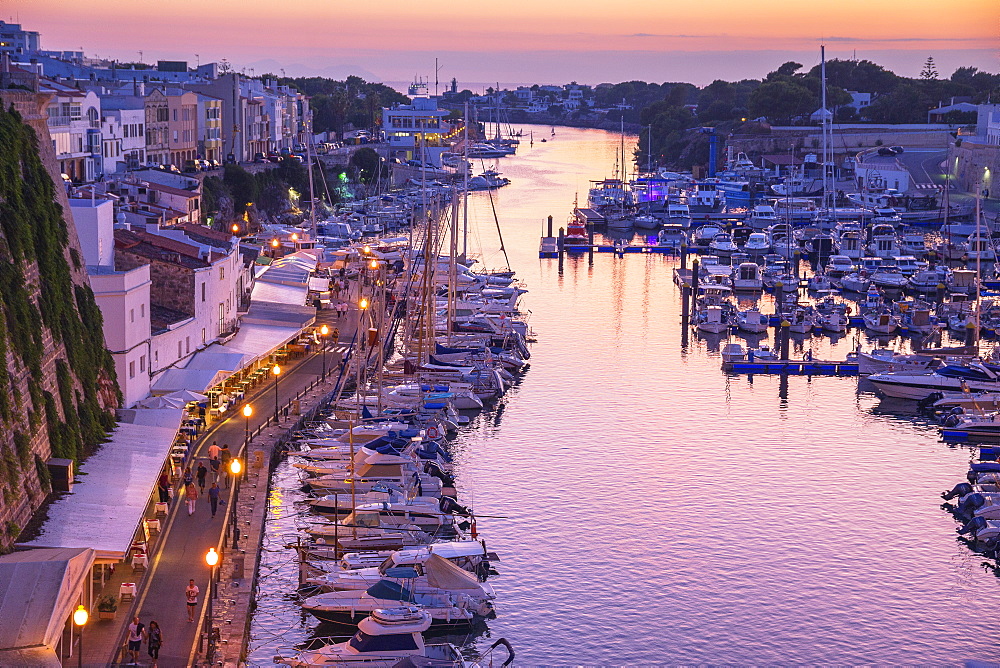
<point>274,157</point>
<point>259,157</point>
<point>896,149</point>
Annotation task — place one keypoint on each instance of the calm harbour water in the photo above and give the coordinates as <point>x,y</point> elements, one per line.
<point>659,511</point>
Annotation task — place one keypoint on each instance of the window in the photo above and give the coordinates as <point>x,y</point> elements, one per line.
<point>156,357</point>
<point>222,273</point>
<point>131,315</point>
<point>142,363</point>
<point>162,114</point>
<point>202,292</point>
<point>175,135</point>
<point>131,369</point>
<point>203,335</point>
<point>187,343</point>
<point>142,310</point>
<point>180,350</point>
<point>175,114</point>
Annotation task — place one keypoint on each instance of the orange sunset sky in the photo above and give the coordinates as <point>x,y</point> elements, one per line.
<point>523,40</point>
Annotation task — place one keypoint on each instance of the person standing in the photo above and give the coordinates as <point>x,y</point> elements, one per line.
<point>163,487</point>
<point>191,494</point>
<point>224,457</point>
<point>191,594</point>
<point>201,473</point>
<point>213,458</point>
<point>154,639</point>
<point>136,632</point>
<point>213,497</point>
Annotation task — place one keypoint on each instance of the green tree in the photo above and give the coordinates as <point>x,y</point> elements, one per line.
<point>929,71</point>
<point>906,104</point>
<point>781,101</point>
<point>858,75</point>
<point>367,161</point>
<point>242,186</point>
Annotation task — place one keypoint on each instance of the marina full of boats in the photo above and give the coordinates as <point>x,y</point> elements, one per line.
<point>386,550</point>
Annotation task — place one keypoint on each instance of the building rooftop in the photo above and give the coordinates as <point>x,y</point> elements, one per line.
<point>161,317</point>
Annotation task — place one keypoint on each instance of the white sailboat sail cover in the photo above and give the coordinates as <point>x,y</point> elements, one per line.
<point>446,575</point>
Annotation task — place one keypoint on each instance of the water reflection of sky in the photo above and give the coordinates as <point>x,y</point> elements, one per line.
<point>659,511</point>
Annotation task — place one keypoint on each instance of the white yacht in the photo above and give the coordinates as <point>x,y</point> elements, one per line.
<point>762,217</point>
<point>751,320</point>
<point>723,245</point>
<point>748,276</point>
<point>757,245</point>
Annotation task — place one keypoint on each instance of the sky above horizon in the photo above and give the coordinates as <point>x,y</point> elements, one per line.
<point>523,41</point>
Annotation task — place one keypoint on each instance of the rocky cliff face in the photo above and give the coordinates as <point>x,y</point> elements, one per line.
<point>58,389</point>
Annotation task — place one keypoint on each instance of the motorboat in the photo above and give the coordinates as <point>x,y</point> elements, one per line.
<point>386,637</point>
<point>712,319</point>
<point>678,214</point>
<point>469,555</point>
<point>820,282</point>
<point>908,264</point>
<point>757,244</point>
<point>722,244</point>
<point>850,244</point>
<point>857,281</point>
<point>490,179</point>
<point>949,378</point>
<point>704,235</point>
<point>884,360</point>
<point>881,322</point>
<point>801,320</point>
<point>838,266</point>
<point>447,606</point>
<point>884,242</point>
<point>889,277</point>
<point>762,217</point>
<point>646,222</point>
<point>930,280</point>
<point>913,244</point>
<point>748,277</point>
<point>750,320</point>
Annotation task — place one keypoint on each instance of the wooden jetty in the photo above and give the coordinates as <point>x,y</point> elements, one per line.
<point>792,367</point>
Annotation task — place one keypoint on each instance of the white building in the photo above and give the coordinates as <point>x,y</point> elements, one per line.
<point>197,286</point>
<point>416,131</point>
<point>123,139</point>
<point>122,296</point>
<point>75,126</point>
<point>873,172</point>
<point>988,124</point>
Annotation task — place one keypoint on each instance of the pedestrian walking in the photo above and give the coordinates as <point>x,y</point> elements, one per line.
<point>191,494</point>
<point>225,455</point>
<point>191,594</point>
<point>201,473</point>
<point>154,640</point>
<point>187,476</point>
<point>163,487</point>
<point>213,458</point>
<point>136,632</point>
<point>213,497</point>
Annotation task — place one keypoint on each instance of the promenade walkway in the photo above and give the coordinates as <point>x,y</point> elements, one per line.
<point>178,552</point>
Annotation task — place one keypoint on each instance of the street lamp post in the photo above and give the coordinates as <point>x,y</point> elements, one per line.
<point>323,331</point>
<point>274,248</point>
<point>247,412</point>
<point>80,619</point>
<point>276,370</point>
<point>358,347</point>
<point>235,228</point>
<point>235,467</point>
<point>212,559</point>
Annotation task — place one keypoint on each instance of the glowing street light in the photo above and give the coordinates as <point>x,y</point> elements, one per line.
<point>235,228</point>
<point>276,370</point>
<point>212,559</point>
<point>80,618</point>
<point>323,332</point>
<point>247,412</point>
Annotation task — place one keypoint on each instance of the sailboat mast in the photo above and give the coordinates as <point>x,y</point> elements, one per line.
<point>309,167</point>
<point>823,112</point>
<point>465,190</point>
